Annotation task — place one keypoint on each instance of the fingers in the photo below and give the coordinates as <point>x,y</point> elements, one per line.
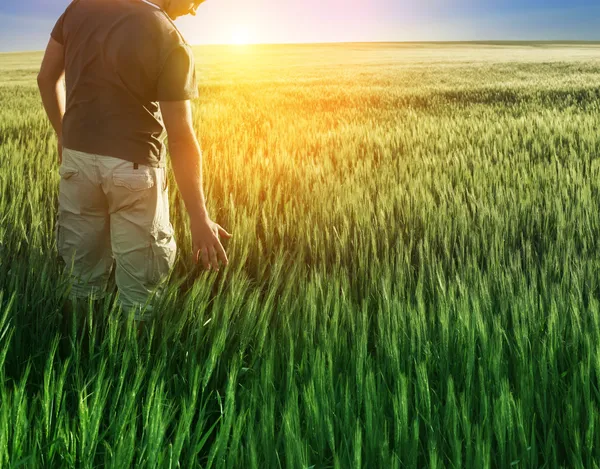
<point>213,258</point>
<point>223,232</point>
<point>220,252</point>
<point>209,257</point>
<point>212,252</point>
<point>203,257</point>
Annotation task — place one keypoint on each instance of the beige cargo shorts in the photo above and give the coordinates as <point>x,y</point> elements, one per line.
<point>114,213</point>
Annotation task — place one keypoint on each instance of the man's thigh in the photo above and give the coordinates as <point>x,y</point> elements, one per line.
<point>83,225</point>
<point>142,236</point>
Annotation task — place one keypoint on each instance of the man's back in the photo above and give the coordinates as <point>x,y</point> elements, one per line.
<point>121,58</point>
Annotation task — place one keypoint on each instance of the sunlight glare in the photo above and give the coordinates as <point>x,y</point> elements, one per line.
<point>240,37</point>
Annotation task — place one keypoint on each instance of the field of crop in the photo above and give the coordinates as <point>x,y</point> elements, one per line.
<point>413,281</point>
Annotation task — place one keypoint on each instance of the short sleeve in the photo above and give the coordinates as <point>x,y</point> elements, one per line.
<point>177,78</point>
<point>57,32</point>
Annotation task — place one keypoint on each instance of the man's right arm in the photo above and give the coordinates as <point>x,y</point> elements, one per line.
<point>186,156</point>
<point>186,159</point>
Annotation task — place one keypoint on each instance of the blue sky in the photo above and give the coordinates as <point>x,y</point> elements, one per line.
<point>26,24</point>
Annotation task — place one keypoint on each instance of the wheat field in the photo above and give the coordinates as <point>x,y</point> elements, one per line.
<point>413,280</point>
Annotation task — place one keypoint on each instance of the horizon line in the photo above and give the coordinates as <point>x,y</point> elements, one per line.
<point>477,41</point>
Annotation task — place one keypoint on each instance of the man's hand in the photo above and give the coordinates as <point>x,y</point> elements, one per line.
<point>186,159</point>
<point>207,247</point>
<point>60,150</point>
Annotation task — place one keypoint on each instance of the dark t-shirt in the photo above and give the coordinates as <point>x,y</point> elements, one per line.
<point>121,58</point>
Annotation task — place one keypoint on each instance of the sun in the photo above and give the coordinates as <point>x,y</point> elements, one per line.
<point>240,37</point>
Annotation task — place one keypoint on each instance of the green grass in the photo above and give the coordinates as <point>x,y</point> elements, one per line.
<point>413,279</point>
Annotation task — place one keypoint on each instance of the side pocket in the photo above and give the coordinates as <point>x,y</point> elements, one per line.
<point>66,172</point>
<point>165,179</point>
<point>162,255</point>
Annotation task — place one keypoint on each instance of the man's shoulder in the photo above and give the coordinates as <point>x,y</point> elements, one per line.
<point>126,13</point>
<point>155,21</point>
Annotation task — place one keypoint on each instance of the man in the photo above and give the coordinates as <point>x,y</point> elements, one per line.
<point>130,77</point>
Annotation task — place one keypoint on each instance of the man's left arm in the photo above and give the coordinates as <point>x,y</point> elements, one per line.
<point>51,85</point>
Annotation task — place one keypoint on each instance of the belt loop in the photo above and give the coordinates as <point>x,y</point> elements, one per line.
<point>135,166</point>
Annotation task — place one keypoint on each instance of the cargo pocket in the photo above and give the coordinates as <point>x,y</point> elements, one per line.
<point>162,255</point>
<point>165,176</point>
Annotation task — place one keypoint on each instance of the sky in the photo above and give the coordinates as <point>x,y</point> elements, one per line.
<point>26,24</point>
